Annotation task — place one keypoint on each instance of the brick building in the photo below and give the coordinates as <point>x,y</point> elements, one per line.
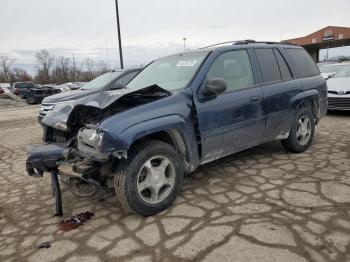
<point>328,37</point>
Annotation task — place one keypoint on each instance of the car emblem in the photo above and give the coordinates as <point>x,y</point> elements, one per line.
<point>341,92</point>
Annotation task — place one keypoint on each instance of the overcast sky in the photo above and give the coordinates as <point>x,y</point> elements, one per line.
<point>153,28</point>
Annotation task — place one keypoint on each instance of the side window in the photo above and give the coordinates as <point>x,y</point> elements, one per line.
<point>235,68</point>
<point>268,64</point>
<point>125,79</point>
<point>285,71</point>
<point>302,60</point>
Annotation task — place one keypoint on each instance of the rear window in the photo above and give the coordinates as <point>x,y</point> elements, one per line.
<point>304,63</point>
<point>268,65</point>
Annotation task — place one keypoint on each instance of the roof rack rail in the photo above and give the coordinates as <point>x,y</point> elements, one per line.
<point>274,42</point>
<point>230,42</point>
<point>248,41</point>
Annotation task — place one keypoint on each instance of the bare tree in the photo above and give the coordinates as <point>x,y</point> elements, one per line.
<point>46,61</point>
<point>62,70</point>
<point>5,68</point>
<point>90,69</point>
<point>18,75</point>
<point>101,68</point>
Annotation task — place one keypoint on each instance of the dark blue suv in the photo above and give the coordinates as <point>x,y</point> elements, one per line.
<point>185,110</point>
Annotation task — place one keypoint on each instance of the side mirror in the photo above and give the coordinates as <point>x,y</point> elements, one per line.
<point>213,87</point>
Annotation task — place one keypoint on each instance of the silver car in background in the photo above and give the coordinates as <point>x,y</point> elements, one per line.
<point>339,90</point>
<point>328,70</point>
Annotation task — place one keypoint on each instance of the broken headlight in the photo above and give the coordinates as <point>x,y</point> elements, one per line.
<point>90,137</point>
<point>97,139</point>
<point>90,143</point>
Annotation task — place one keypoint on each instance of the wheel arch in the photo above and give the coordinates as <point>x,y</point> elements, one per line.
<point>310,99</point>
<point>173,137</point>
<point>171,129</point>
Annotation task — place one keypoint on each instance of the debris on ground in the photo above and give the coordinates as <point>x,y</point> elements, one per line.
<point>45,244</point>
<point>74,221</point>
<point>11,100</point>
<point>11,96</point>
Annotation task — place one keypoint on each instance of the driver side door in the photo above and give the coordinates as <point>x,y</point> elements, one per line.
<point>232,120</point>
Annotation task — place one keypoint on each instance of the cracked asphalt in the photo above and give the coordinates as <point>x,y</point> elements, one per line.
<point>263,204</point>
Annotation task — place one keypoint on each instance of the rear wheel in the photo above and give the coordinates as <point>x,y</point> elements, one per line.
<point>30,100</point>
<point>302,131</point>
<point>150,179</point>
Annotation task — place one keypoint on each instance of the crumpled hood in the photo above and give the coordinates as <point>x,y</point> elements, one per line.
<point>68,96</point>
<point>339,84</point>
<point>59,116</point>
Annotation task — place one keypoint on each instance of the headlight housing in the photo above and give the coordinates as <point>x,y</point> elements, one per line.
<point>90,137</point>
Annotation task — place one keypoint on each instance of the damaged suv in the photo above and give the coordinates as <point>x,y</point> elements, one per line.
<point>180,112</point>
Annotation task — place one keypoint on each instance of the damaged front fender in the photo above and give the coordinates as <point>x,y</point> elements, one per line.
<point>96,107</point>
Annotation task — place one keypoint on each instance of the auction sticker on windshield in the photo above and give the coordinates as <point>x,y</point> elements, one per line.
<point>187,63</point>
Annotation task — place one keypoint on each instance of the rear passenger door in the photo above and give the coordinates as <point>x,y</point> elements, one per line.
<point>234,119</point>
<point>278,86</point>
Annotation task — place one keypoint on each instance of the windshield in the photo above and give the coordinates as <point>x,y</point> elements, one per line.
<point>345,72</point>
<point>334,68</point>
<point>101,81</point>
<point>170,73</point>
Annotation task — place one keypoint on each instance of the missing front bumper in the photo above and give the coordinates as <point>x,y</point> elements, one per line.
<point>46,158</point>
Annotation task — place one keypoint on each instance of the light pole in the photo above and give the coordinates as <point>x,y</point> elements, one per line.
<point>184,39</point>
<point>119,36</point>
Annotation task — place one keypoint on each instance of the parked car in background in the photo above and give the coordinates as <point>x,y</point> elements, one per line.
<point>339,90</point>
<point>2,90</point>
<point>33,93</point>
<point>109,81</point>
<point>56,86</point>
<point>180,112</point>
<point>328,70</point>
<point>21,88</point>
<point>6,87</point>
<point>37,94</point>
<point>75,85</point>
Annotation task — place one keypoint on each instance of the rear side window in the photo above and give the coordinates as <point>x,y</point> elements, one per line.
<point>285,71</point>
<point>304,63</point>
<point>268,65</point>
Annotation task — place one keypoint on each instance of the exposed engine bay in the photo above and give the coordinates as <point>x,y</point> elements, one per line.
<point>64,124</point>
<point>74,127</point>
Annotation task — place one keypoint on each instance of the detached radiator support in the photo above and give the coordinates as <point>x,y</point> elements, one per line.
<point>45,158</point>
<point>55,183</point>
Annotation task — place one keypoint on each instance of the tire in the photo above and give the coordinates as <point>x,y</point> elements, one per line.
<point>140,169</point>
<point>295,142</point>
<point>30,100</point>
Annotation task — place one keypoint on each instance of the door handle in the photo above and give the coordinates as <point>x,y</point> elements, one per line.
<point>255,98</point>
<point>296,89</point>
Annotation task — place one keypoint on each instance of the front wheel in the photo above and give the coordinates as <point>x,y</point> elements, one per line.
<point>301,133</point>
<point>150,179</point>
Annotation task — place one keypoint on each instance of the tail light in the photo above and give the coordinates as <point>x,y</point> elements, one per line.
<point>16,91</point>
<point>1,91</point>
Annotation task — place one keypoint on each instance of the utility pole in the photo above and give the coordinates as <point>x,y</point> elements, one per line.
<point>119,37</point>
<point>327,51</point>
<point>281,34</point>
<point>184,43</point>
<point>74,68</point>
<point>107,56</point>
